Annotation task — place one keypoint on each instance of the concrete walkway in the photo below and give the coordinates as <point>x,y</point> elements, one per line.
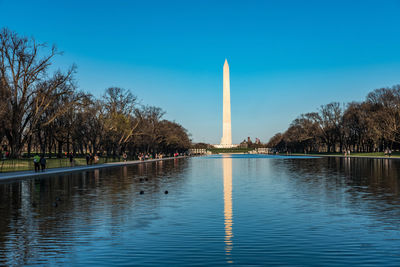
<point>31,174</point>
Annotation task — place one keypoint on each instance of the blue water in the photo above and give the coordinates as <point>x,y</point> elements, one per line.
<point>219,210</point>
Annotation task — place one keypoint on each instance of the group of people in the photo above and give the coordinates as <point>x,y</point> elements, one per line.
<point>146,156</point>
<point>91,158</point>
<point>39,162</point>
<point>143,156</point>
<point>5,154</point>
<point>388,152</point>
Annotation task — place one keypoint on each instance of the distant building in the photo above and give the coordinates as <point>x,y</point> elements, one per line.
<point>244,144</point>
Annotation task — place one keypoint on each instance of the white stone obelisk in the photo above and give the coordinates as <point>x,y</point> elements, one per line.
<point>226,140</point>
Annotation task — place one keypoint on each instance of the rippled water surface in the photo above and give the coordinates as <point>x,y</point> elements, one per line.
<point>230,209</point>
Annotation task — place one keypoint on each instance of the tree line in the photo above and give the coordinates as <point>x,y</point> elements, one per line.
<point>372,125</point>
<point>45,112</point>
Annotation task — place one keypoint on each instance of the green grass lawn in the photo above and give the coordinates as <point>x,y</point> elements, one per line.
<point>374,154</point>
<point>12,165</point>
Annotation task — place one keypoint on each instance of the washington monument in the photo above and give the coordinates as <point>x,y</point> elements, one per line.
<point>226,140</point>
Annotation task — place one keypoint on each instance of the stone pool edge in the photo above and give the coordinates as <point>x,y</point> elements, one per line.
<point>10,176</point>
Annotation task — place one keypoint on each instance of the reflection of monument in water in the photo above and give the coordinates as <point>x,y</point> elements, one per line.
<point>226,140</point>
<point>228,212</point>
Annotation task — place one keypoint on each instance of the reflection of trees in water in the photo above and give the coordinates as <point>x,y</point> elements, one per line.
<point>369,185</point>
<point>31,227</point>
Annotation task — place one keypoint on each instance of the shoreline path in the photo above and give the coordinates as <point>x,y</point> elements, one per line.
<point>19,175</point>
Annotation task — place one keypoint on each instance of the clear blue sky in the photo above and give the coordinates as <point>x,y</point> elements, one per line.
<point>285,57</point>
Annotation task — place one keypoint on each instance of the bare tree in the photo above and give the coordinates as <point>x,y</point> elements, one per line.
<point>120,122</point>
<point>23,67</point>
<point>386,111</point>
<point>149,128</point>
<point>173,137</point>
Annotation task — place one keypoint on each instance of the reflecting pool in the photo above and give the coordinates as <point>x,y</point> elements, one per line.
<point>217,210</point>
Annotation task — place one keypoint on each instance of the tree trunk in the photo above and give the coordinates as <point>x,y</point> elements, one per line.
<point>60,144</point>
<point>68,144</point>
<point>29,146</point>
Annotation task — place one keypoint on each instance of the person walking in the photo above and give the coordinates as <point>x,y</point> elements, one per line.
<point>87,158</point>
<point>36,162</point>
<point>125,156</point>
<point>91,159</point>
<point>71,159</point>
<point>43,163</point>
